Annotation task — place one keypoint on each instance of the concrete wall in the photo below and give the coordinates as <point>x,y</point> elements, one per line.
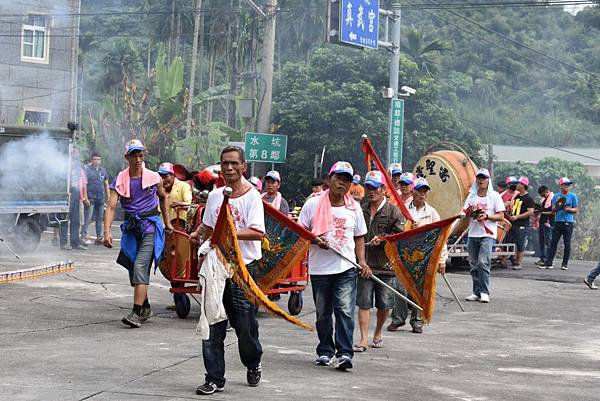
<point>38,86</point>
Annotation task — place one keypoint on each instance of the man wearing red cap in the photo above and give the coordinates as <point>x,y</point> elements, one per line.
<point>272,195</point>
<point>522,210</point>
<point>338,222</point>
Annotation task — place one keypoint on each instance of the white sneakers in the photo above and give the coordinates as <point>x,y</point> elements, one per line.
<point>472,298</point>
<point>484,298</point>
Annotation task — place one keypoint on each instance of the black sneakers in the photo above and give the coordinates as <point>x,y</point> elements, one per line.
<point>344,363</point>
<point>209,388</point>
<point>146,313</point>
<point>133,320</point>
<point>253,376</point>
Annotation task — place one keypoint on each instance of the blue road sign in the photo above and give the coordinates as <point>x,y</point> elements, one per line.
<point>359,22</point>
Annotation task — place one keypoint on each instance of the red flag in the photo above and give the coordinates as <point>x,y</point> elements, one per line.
<point>371,155</point>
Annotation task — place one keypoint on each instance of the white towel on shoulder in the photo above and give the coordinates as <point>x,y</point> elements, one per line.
<point>211,279</point>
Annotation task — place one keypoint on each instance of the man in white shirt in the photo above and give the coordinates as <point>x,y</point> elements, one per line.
<point>485,208</point>
<point>338,221</point>
<point>247,213</point>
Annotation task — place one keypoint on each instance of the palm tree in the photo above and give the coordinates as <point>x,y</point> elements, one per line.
<point>424,54</point>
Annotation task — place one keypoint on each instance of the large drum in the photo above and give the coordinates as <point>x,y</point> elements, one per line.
<point>450,175</point>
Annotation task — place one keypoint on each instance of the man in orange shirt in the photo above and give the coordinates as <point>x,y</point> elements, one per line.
<point>356,190</point>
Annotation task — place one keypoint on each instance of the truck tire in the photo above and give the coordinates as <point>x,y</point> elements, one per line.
<point>26,235</point>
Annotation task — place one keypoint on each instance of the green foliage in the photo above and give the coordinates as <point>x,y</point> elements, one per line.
<point>338,100</point>
<point>203,148</point>
<point>169,78</point>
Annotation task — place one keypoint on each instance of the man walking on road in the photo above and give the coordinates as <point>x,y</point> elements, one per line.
<point>521,212</point>
<point>97,191</point>
<point>565,206</point>
<point>143,236</point>
<point>383,218</point>
<point>484,208</point>
<point>338,222</point>
<point>248,216</point>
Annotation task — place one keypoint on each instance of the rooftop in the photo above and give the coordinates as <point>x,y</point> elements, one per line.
<point>533,154</point>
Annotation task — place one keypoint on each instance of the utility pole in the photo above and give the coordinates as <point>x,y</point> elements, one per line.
<point>188,120</point>
<point>266,68</point>
<point>394,66</point>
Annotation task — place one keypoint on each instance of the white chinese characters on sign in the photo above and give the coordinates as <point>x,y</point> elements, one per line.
<point>371,21</point>
<point>254,141</point>
<point>349,18</point>
<point>360,23</point>
<point>276,142</point>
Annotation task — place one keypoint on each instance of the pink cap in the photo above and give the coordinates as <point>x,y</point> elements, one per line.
<point>524,180</point>
<point>256,182</point>
<point>341,167</point>
<point>166,168</point>
<point>565,181</point>
<point>407,178</point>
<point>374,178</point>
<point>511,180</point>
<point>133,145</point>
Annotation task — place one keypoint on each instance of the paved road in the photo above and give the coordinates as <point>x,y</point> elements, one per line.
<point>61,339</point>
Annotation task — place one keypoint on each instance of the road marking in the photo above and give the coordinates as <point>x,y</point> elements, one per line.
<point>460,395</point>
<point>553,372</point>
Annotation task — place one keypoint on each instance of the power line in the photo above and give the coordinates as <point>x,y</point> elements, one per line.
<point>38,96</point>
<point>515,53</point>
<point>517,43</point>
<point>527,139</point>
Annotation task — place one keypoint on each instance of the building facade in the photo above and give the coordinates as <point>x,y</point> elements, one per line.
<point>38,67</point>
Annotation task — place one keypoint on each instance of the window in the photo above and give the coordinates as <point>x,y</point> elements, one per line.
<point>36,117</point>
<point>35,39</point>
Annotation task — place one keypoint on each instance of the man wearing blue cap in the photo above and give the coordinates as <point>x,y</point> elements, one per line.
<point>143,234</point>
<point>565,206</point>
<point>382,218</point>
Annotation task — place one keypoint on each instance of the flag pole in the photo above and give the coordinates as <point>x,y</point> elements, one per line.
<point>460,305</point>
<point>375,278</point>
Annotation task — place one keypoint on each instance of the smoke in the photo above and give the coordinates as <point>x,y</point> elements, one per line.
<point>35,168</point>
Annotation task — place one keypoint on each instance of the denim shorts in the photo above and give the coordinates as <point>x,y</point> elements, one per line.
<point>518,235</point>
<point>367,290</point>
<point>141,266</point>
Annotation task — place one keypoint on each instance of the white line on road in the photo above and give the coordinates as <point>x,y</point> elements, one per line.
<point>553,372</point>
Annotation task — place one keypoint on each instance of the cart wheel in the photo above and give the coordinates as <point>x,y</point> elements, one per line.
<point>295,303</point>
<point>182,305</point>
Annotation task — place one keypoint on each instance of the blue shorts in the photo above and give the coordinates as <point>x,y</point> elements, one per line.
<point>368,291</point>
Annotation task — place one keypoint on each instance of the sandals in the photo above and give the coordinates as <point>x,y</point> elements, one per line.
<point>377,343</point>
<point>358,348</point>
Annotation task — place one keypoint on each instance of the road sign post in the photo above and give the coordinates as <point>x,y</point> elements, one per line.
<point>266,148</point>
<point>396,131</point>
<point>359,22</point>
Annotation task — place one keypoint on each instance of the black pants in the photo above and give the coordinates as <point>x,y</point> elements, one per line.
<point>565,230</point>
<point>242,316</point>
<point>74,221</point>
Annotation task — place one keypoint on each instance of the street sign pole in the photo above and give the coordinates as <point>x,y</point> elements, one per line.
<point>394,72</point>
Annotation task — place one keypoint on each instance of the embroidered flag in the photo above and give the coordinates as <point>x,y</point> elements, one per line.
<point>371,158</point>
<point>415,255</point>
<point>284,246</point>
<point>225,238</point>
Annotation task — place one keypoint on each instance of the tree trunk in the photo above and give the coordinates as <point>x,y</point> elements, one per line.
<point>188,122</point>
<point>266,68</point>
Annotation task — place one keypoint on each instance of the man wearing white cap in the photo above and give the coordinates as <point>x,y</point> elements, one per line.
<point>272,195</point>
<point>521,211</point>
<point>422,213</point>
<point>484,208</point>
<point>356,190</point>
<point>337,221</point>
<point>565,206</point>
<point>180,193</point>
